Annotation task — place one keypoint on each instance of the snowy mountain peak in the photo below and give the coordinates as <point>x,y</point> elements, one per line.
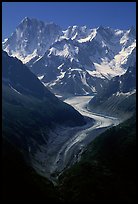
<point>32,38</point>
<point>105,32</point>
<point>100,28</point>
<point>33,20</point>
<point>132,31</point>
<point>76,32</point>
<point>87,55</point>
<point>25,19</point>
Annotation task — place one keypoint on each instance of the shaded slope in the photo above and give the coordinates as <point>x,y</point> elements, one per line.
<point>20,183</point>
<point>107,170</point>
<point>29,110</point>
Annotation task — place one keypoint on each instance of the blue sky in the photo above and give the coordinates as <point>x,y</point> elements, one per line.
<point>93,14</point>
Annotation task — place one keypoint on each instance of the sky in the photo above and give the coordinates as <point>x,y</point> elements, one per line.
<point>121,15</point>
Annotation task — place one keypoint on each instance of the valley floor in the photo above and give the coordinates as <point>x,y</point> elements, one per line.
<point>65,145</point>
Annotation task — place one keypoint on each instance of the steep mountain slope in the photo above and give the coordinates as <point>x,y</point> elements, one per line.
<point>31,39</point>
<point>79,59</point>
<point>20,183</point>
<point>107,170</point>
<point>20,79</point>
<point>118,97</point>
<point>29,110</point>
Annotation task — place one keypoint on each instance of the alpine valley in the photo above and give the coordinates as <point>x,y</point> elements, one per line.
<point>69,113</point>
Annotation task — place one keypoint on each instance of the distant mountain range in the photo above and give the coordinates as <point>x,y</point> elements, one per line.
<point>76,61</point>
